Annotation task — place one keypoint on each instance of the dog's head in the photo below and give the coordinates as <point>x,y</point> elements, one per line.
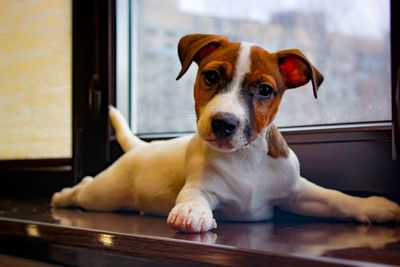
<point>239,86</point>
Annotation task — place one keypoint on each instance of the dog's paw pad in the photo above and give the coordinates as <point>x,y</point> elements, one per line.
<point>191,218</point>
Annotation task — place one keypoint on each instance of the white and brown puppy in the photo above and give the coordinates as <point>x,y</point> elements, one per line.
<point>237,166</point>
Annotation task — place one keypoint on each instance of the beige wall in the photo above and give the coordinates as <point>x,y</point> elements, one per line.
<point>35,79</point>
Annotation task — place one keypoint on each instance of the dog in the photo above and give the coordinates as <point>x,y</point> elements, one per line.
<point>237,166</point>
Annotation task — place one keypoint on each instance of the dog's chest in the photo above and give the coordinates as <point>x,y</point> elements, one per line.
<point>247,186</point>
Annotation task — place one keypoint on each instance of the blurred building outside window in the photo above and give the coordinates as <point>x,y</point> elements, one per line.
<point>347,40</point>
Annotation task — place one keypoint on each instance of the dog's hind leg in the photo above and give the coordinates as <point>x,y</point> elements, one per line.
<point>313,200</point>
<point>123,133</point>
<point>109,190</point>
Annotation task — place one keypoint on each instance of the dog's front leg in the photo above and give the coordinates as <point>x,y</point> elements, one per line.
<point>311,199</point>
<point>192,212</point>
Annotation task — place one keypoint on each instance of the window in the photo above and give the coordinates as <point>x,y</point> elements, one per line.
<point>354,58</point>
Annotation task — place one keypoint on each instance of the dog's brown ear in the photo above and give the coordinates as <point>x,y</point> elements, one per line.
<point>297,70</point>
<point>195,47</point>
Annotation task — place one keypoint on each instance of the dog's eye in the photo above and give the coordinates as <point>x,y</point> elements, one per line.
<point>211,77</point>
<point>265,90</point>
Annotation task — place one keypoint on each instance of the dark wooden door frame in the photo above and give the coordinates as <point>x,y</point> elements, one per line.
<point>395,58</point>
<point>93,83</point>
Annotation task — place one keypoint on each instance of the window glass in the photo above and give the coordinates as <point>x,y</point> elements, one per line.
<point>348,41</point>
<point>35,79</point>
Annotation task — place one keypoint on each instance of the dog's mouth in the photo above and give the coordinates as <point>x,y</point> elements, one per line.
<point>222,146</point>
<point>226,144</point>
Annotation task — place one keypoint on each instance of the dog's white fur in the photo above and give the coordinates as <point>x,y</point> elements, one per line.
<point>194,179</point>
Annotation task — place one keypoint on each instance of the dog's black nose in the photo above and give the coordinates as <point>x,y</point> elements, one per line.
<point>224,125</point>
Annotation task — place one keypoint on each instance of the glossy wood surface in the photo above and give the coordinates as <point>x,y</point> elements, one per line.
<point>286,241</point>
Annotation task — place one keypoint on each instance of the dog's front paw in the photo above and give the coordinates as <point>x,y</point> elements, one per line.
<point>377,209</point>
<point>191,218</point>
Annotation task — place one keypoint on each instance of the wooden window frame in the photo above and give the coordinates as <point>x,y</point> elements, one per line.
<point>357,158</point>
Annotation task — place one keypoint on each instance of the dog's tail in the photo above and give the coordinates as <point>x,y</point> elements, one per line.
<point>124,135</point>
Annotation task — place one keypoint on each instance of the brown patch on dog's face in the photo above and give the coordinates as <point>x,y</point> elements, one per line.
<point>264,113</point>
<point>214,74</point>
<point>262,91</point>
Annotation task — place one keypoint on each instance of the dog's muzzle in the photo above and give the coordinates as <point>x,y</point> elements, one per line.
<point>224,125</point>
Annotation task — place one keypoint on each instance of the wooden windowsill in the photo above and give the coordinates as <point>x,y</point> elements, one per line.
<point>130,237</point>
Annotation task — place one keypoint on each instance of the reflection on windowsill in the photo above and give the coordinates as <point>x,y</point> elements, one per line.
<point>305,238</point>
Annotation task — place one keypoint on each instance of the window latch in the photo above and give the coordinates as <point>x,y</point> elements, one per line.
<point>95,94</point>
